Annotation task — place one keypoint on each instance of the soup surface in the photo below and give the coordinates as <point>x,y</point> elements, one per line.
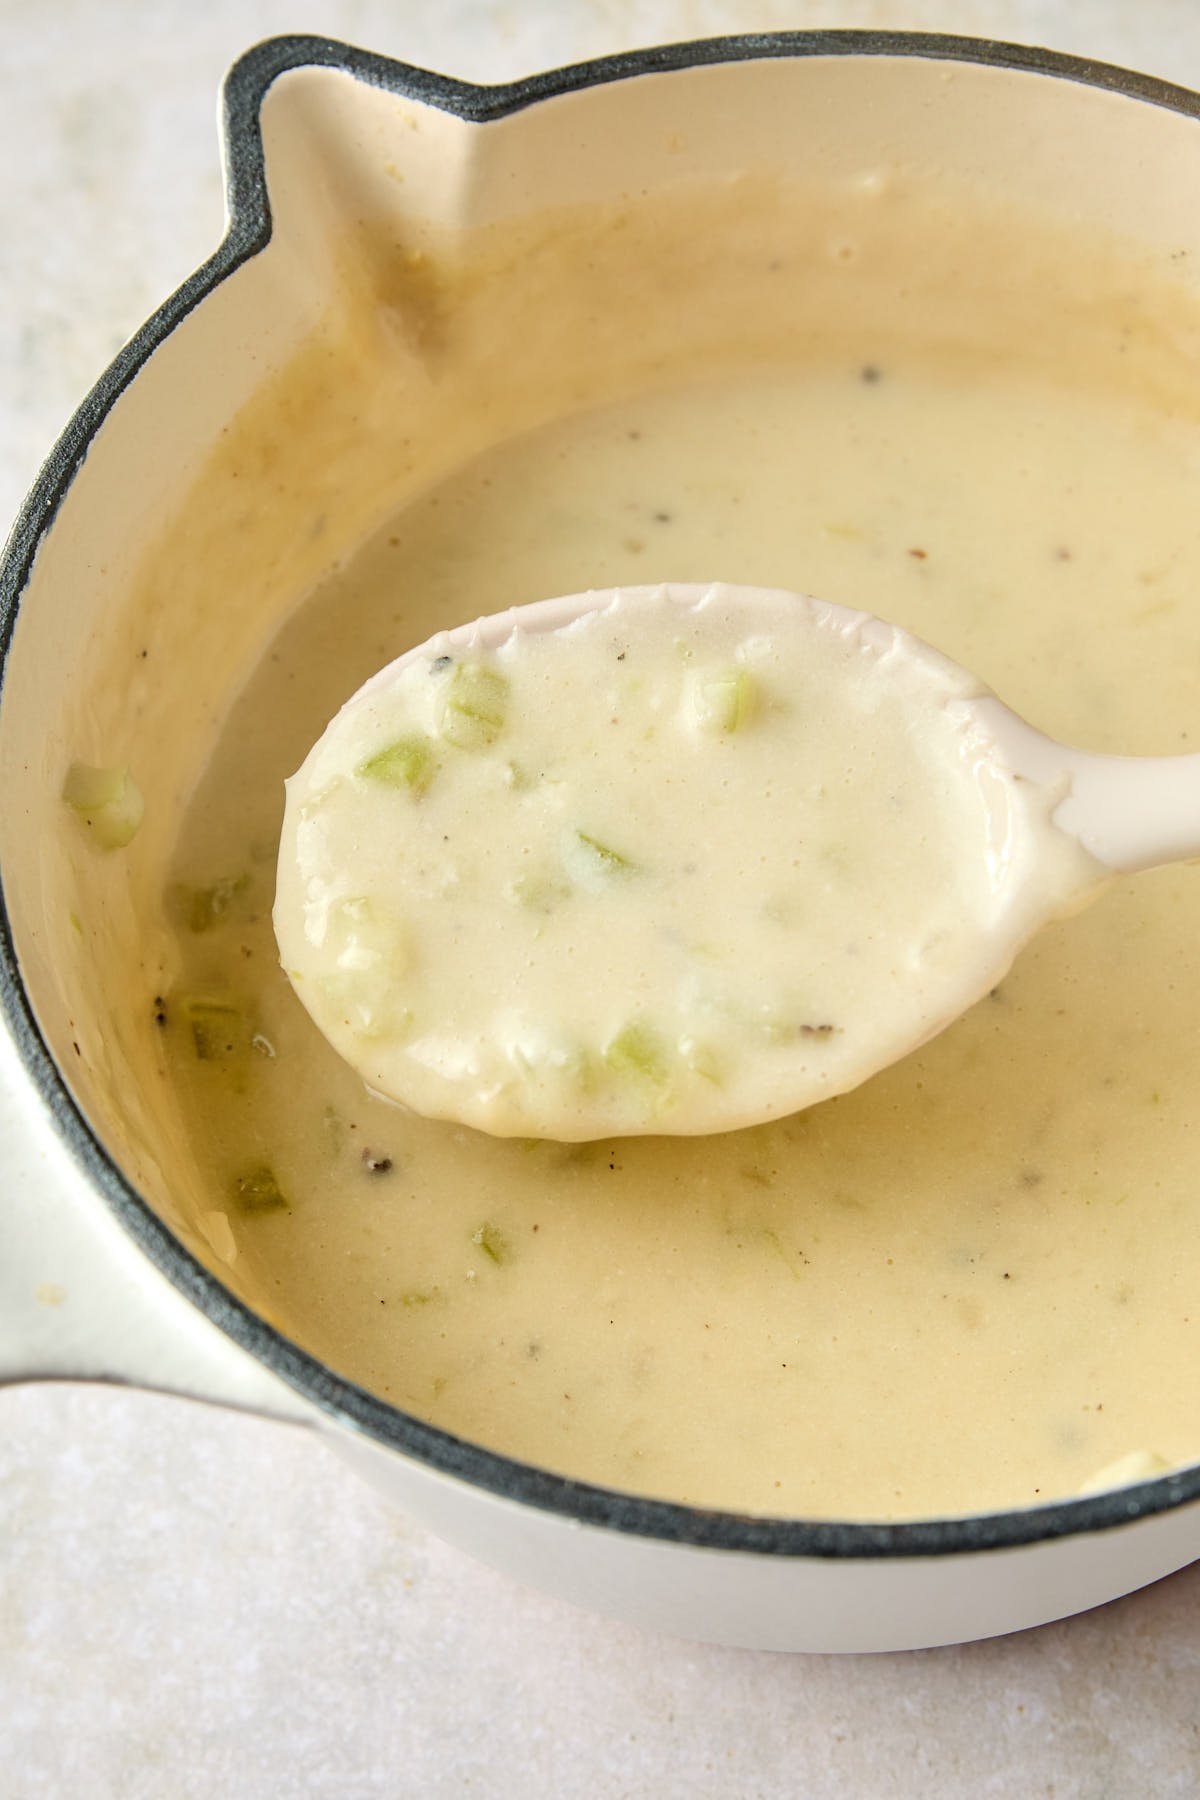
<point>969,1284</point>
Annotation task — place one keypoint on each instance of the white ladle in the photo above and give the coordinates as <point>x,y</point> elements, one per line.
<point>1060,823</point>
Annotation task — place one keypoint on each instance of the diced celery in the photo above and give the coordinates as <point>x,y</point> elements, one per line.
<point>257,1190</point>
<point>371,955</point>
<point>723,700</point>
<point>218,1028</point>
<point>537,891</point>
<point>701,1059</point>
<point>792,1260</point>
<point>200,909</point>
<point>578,1156</point>
<point>474,706</point>
<point>365,1005</point>
<point>409,762</point>
<point>367,938</point>
<point>89,789</point>
<point>583,1069</point>
<point>773,1027</point>
<point>588,857</point>
<point>492,1242</point>
<point>781,1028</point>
<point>637,1052</point>
<point>335,1127</point>
<point>107,801</point>
<point>537,1056</point>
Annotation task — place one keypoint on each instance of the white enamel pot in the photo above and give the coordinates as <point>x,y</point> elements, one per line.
<point>104,1272</point>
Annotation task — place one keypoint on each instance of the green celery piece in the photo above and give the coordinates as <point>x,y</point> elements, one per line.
<point>777,1027</point>
<point>200,909</point>
<point>335,1128</point>
<point>218,1028</point>
<point>108,802</point>
<point>475,706</point>
<point>604,857</point>
<point>257,1191</point>
<point>724,700</point>
<point>578,1156</point>
<point>89,789</point>
<point>702,1060</point>
<point>538,892</point>
<point>637,1052</point>
<point>583,1069</point>
<point>409,763</point>
<point>492,1242</point>
<point>366,1006</point>
<point>793,1261</point>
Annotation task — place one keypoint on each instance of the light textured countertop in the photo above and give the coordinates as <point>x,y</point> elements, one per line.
<point>193,1603</point>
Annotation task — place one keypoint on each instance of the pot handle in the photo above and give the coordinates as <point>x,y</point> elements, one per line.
<point>79,1301</point>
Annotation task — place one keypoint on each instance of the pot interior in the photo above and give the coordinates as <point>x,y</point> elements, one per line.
<point>435,289</point>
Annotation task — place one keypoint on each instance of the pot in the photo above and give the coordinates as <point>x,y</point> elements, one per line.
<point>349,176</point>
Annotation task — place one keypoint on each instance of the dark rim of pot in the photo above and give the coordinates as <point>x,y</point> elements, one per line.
<point>249,232</point>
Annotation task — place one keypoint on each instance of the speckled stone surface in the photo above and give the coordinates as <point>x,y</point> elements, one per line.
<point>196,1604</point>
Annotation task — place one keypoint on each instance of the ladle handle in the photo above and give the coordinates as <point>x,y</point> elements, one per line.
<point>1129,812</point>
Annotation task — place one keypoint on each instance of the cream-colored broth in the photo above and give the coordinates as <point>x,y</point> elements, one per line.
<point>968,1284</point>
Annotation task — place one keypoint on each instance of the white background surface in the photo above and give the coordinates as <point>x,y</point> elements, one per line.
<point>197,1604</point>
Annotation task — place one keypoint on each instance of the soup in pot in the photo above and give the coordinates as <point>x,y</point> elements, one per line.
<point>969,1284</point>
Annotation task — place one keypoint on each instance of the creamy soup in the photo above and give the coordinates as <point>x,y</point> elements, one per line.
<point>969,1284</point>
<point>675,859</point>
